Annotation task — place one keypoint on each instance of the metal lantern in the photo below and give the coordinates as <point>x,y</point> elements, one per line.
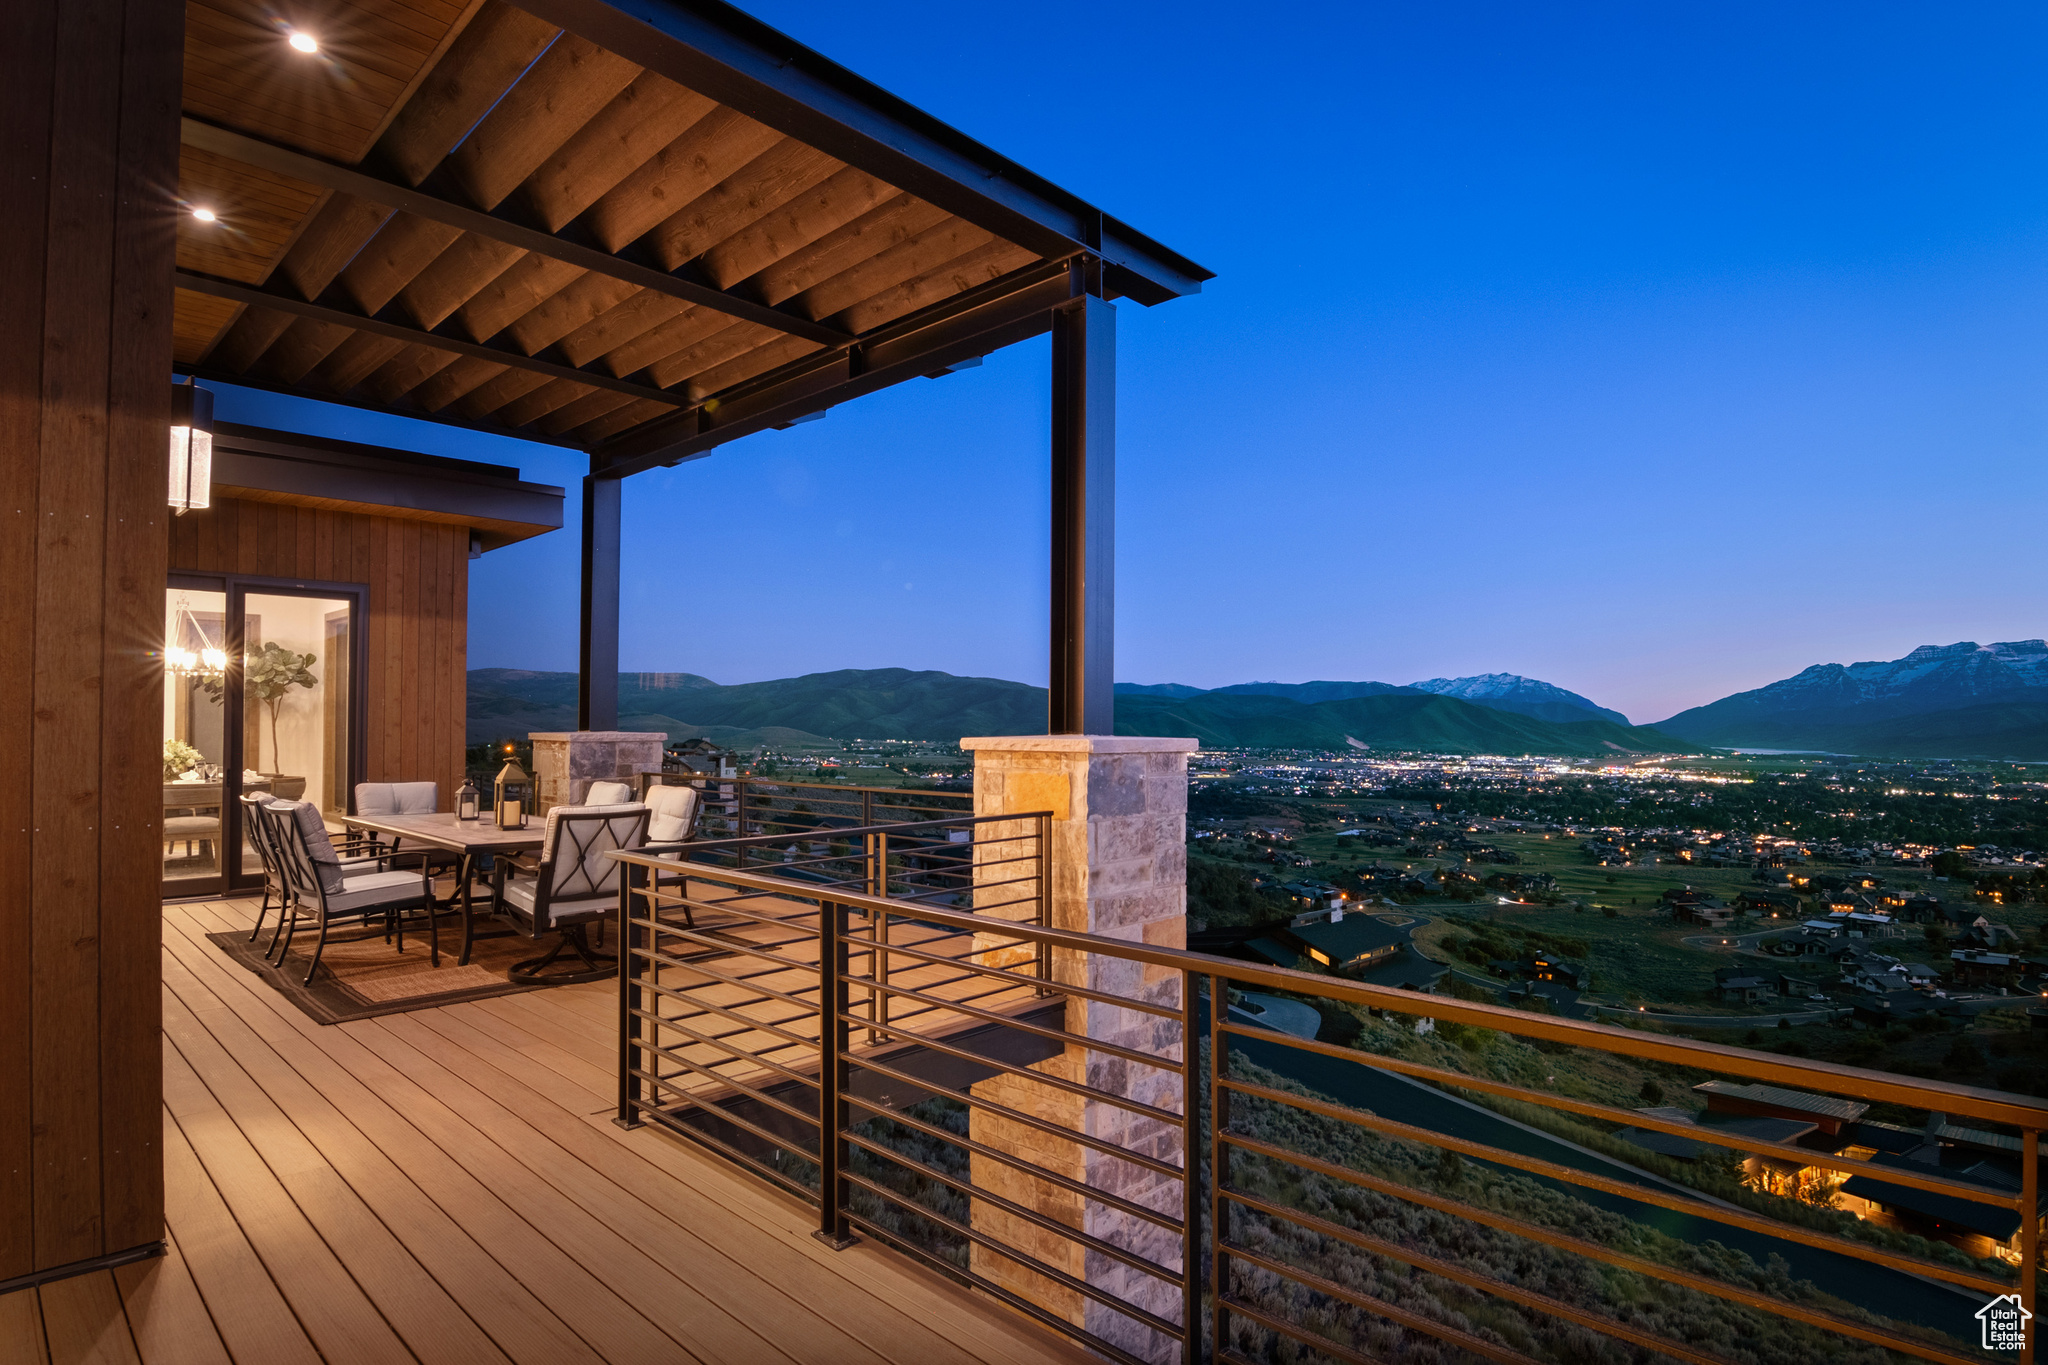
<point>466,801</point>
<point>191,447</point>
<point>513,791</point>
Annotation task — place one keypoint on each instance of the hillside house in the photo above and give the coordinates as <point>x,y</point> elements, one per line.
<point>1767,900</point>
<point>1987,970</point>
<point>1543,967</point>
<point>1993,937</point>
<point>1916,908</point>
<point>1828,1113</point>
<point>1344,943</point>
<point>1743,985</point>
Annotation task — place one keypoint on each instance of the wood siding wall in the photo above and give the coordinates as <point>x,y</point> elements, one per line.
<point>89,102</point>
<point>418,574</point>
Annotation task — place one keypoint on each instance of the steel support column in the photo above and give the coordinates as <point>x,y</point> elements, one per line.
<point>1082,700</point>
<point>597,664</point>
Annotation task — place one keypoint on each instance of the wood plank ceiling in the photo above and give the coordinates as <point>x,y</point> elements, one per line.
<point>776,248</point>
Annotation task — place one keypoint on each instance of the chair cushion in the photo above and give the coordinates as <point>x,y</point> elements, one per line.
<point>608,793</point>
<point>520,894</point>
<point>373,888</point>
<point>326,862</point>
<point>397,798</point>
<point>672,814</point>
<point>191,826</point>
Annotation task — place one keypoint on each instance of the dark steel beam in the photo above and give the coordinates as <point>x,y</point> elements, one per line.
<point>718,50</point>
<point>597,655</point>
<point>1003,312</point>
<point>313,170</point>
<point>257,297</point>
<point>1082,696</point>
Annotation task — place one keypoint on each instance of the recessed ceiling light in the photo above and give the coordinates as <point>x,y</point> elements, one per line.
<point>203,215</point>
<point>303,42</point>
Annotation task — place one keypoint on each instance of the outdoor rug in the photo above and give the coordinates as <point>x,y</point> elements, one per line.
<point>363,977</point>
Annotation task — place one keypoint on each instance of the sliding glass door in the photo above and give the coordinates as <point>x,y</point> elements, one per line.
<point>260,695</point>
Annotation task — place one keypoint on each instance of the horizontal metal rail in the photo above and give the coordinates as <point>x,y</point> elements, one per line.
<point>865,951</point>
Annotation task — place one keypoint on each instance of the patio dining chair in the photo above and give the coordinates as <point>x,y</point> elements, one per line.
<point>325,894</point>
<point>404,798</point>
<point>357,856</point>
<point>573,884</point>
<point>672,822</point>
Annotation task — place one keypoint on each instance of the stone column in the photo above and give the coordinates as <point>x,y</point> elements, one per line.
<point>1119,869</point>
<point>564,765</point>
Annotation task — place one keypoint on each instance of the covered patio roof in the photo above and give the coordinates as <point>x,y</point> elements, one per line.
<point>639,229</point>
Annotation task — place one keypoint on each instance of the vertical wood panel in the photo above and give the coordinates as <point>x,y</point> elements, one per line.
<point>88,99</point>
<point>419,628</point>
<point>70,620</point>
<point>130,921</point>
<point>24,182</point>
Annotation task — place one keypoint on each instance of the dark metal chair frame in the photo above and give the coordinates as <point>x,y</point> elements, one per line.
<point>309,896</point>
<point>578,834</point>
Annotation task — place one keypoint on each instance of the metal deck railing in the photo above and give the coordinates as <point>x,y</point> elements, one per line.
<point>1016,1104</point>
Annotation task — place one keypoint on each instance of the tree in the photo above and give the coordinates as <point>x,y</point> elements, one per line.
<point>270,674</point>
<point>1651,1093</point>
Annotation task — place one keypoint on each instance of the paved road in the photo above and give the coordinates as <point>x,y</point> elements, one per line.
<point>1818,1015</point>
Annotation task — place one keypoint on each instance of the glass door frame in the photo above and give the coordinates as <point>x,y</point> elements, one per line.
<point>237,589</point>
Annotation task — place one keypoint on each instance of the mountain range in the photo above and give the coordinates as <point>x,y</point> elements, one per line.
<point>895,703</point>
<point>1963,700</point>
<point>1499,691</point>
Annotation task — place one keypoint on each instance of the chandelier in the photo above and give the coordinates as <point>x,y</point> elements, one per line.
<point>204,662</point>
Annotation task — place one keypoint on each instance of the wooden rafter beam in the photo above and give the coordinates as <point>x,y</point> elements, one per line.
<point>314,170</point>
<point>721,51</point>
<point>930,342</point>
<point>257,297</point>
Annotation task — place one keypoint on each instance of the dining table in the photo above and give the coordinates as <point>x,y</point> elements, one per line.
<point>469,840</point>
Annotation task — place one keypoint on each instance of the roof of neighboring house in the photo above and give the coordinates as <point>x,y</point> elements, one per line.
<point>1988,1220</point>
<point>1828,1106</point>
<point>1347,938</point>
<point>1663,1144</point>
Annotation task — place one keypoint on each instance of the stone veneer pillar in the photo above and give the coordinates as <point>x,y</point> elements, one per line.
<point>565,764</point>
<point>1119,869</point>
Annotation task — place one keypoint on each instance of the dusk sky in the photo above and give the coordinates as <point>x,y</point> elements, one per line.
<point>1656,352</point>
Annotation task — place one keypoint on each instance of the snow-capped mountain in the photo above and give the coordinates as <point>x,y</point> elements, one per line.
<point>1817,702</point>
<point>1524,696</point>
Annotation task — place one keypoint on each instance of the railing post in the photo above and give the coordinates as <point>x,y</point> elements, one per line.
<point>629,999</point>
<point>2030,1234</point>
<point>1219,1162</point>
<point>1191,1174</point>
<point>832,1042</point>
<point>739,790</point>
<point>1044,896</point>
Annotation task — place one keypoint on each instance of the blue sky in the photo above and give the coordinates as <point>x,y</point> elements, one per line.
<point>1653,351</point>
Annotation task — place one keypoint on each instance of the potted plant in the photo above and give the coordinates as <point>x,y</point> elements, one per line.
<point>270,674</point>
<point>179,758</point>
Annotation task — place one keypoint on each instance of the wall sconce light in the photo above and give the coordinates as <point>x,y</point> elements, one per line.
<point>191,447</point>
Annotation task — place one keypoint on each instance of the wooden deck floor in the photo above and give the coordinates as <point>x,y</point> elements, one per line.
<point>447,1186</point>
